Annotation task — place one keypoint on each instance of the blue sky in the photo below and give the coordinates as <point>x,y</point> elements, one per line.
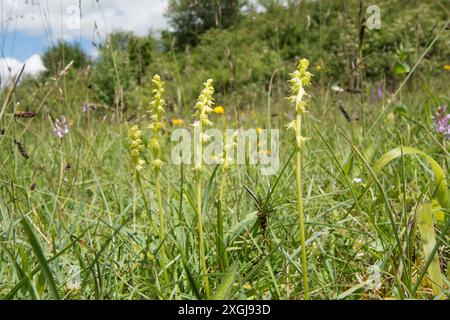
<point>29,27</point>
<point>21,45</point>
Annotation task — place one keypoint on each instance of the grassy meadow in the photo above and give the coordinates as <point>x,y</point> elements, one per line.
<point>357,210</point>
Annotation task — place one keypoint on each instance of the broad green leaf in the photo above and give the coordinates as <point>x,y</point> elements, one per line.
<point>401,68</point>
<point>428,237</point>
<point>223,291</point>
<point>238,228</point>
<point>439,174</point>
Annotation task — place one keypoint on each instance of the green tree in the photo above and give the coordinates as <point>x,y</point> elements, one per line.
<point>58,56</point>
<point>191,18</point>
<point>122,63</point>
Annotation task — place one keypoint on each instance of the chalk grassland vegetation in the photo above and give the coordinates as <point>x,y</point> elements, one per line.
<point>92,208</point>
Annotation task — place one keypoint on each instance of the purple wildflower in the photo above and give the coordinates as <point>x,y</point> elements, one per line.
<point>379,91</point>
<point>85,107</point>
<point>442,122</point>
<point>61,127</point>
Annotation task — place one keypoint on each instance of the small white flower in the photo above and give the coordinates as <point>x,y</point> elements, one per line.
<point>336,88</point>
<point>357,180</point>
<point>61,127</point>
<point>74,282</point>
<point>374,281</point>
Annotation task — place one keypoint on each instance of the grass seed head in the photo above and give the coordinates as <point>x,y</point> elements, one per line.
<point>25,114</point>
<point>22,149</point>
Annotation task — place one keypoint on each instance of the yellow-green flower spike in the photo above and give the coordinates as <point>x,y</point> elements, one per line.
<point>204,107</point>
<point>300,79</point>
<point>135,135</point>
<point>205,103</point>
<point>157,123</point>
<point>158,104</point>
<point>157,120</point>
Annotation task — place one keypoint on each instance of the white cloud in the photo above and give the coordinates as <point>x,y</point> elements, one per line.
<point>10,67</point>
<point>61,19</point>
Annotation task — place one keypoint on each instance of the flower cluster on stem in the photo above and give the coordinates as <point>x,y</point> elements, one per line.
<point>157,123</point>
<point>157,117</point>
<point>300,79</point>
<point>442,122</point>
<point>204,107</point>
<point>135,137</point>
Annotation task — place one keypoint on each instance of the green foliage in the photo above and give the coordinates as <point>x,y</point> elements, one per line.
<point>121,65</point>
<point>57,57</point>
<point>191,18</point>
<point>74,203</point>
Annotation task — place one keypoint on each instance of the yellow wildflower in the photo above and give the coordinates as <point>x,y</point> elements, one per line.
<point>247,286</point>
<point>447,67</point>
<point>219,110</point>
<point>177,122</point>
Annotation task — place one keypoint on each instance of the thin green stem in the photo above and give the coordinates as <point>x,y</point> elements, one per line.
<point>161,228</point>
<point>222,253</point>
<point>298,173</point>
<point>200,235</point>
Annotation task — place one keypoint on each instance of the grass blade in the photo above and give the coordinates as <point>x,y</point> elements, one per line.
<point>41,258</point>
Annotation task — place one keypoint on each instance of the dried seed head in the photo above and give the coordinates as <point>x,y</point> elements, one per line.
<point>22,149</point>
<point>25,114</point>
<point>345,112</point>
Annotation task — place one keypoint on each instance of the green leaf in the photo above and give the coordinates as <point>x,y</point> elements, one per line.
<point>222,257</point>
<point>439,174</point>
<point>41,258</point>
<point>401,68</point>
<point>194,285</point>
<point>238,228</point>
<point>428,237</point>
<point>223,291</point>
<point>207,191</point>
